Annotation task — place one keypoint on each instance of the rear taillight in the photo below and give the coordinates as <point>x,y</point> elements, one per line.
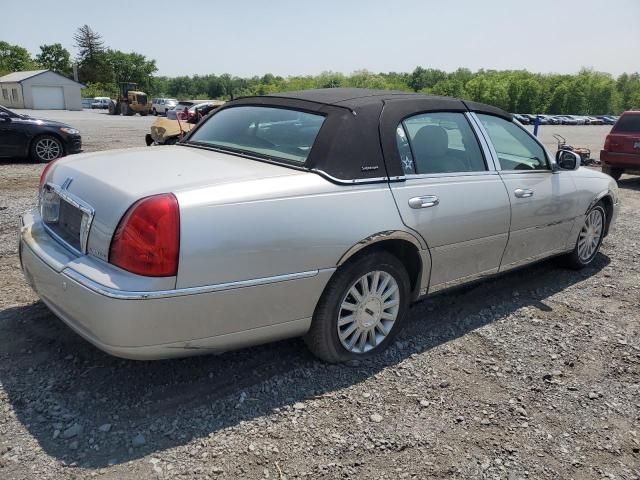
<point>147,240</point>
<point>45,171</point>
<point>607,143</point>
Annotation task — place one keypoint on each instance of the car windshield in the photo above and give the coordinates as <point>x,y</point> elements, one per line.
<point>277,133</point>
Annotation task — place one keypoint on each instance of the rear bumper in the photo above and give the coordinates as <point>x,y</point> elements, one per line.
<point>620,160</point>
<point>163,324</point>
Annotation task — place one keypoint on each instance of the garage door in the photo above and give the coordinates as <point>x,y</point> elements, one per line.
<point>48,98</point>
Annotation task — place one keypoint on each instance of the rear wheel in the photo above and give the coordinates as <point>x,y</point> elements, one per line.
<point>155,112</point>
<point>361,309</point>
<point>46,148</point>
<point>616,173</point>
<point>589,239</point>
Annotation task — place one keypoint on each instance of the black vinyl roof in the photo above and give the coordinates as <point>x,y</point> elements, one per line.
<point>346,97</point>
<point>357,97</point>
<point>359,126</point>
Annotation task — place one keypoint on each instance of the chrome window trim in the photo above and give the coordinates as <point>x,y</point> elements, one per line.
<point>78,203</point>
<point>341,181</point>
<point>178,292</point>
<point>521,172</point>
<point>485,141</point>
<point>550,162</point>
<point>418,176</point>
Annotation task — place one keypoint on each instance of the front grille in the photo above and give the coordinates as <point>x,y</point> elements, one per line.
<point>68,224</point>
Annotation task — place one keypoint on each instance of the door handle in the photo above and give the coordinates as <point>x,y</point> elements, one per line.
<point>523,192</point>
<point>424,202</point>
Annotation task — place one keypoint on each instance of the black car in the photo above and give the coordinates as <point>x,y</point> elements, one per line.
<point>42,140</point>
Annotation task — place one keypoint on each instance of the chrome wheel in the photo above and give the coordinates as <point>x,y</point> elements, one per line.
<point>48,149</point>
<point>368,312</point>
<point>590,235</point>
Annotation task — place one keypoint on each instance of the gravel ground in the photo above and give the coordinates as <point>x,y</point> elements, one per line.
<point>535,374</point>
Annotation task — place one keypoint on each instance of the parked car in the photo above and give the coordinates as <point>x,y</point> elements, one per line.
<point>161,105</point>
<point>166,131</point>
<point>23,136</point>
<point>523,119</point>
<point>180,107</point>
<point>607,119</point>
<point>621,152</point>
<point>314,213</point>
<point>566,120</point>
<point>549,120</point>
<point>86,102</point>
<point>100,103</point>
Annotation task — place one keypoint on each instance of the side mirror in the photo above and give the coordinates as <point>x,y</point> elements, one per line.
<point>567,160</point>
<point>4,116</point>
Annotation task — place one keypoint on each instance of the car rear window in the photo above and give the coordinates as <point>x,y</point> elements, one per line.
<point>627,123</point>
<point>277,133</point>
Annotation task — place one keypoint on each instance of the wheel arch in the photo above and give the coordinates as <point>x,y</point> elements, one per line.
<point>404,246</point>
<point>48,134</point>
<point>606,198</point>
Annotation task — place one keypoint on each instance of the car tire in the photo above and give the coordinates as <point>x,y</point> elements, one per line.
<point>589,239</point>
<point>378,315</point>
<point>616,173</point>
<point>46,148</point>
<point>155,112</point>
<point>171,141</point>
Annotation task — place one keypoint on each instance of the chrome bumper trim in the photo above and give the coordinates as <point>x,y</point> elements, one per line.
<point>178,292</point>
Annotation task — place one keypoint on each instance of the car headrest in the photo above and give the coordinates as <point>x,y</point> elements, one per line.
<point>431,141</point>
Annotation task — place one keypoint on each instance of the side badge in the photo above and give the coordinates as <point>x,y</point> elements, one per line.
<point>369,168</point>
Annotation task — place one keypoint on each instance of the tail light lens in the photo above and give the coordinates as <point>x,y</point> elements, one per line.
<point>607,143</point>
<point>147,240</point>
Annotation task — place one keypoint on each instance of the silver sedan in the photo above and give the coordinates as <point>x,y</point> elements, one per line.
<point>320,213</point>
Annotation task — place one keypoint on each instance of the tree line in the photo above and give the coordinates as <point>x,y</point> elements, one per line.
<point>101,69</point>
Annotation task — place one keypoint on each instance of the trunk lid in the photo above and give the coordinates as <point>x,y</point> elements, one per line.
<point>110,182</point>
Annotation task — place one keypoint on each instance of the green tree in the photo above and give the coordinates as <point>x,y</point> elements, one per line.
<point>131,67</point>
<point>55,57</point>
<point>93,63</point>
<point>14,58</point>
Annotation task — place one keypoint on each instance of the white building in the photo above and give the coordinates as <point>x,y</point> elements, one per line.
<point>40,90</point>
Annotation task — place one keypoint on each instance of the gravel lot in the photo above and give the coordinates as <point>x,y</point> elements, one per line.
<point>531,375</point>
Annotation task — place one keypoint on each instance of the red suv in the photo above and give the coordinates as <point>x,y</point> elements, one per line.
<point>621,153</point>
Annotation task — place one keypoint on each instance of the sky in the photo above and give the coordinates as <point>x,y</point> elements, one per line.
<point>247,37</point>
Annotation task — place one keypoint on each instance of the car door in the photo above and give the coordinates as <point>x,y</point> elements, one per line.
<point>543,201</point>
<point>451,195</point>
<point>12,135</point>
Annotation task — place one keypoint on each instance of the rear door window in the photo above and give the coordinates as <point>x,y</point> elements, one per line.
<point>439,142</point>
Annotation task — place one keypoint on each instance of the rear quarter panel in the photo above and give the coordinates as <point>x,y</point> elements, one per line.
<point>276,226</point>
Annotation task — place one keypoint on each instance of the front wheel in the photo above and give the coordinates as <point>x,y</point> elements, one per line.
<point>46,148</point>
<point>589,239</point>
<point>361,309</point>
